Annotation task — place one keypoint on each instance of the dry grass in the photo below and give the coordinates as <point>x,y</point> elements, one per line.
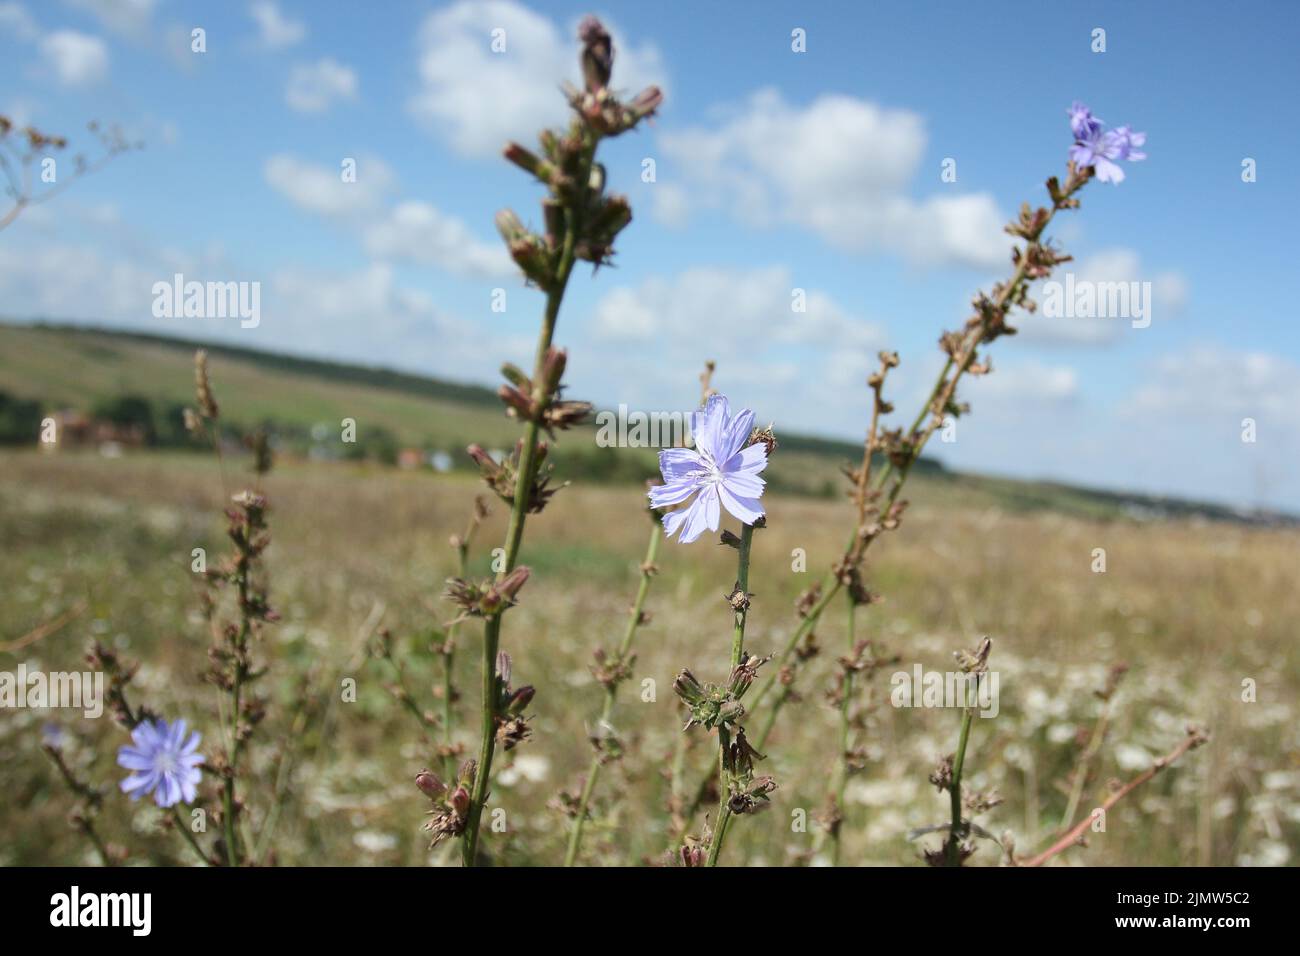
<point>1193,608</point>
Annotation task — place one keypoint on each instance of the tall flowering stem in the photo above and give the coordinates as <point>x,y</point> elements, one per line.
<point>722,471</point>
<point>727,778</point>
<point>230,659</point>
<point>1093,155</point>
<point>948,774</point>
<point>1034,260</point>
<point>447,649</point>
<point>857,657</point>
<point>611,671</point>
<point>840,778</point>
<point>581,223</point>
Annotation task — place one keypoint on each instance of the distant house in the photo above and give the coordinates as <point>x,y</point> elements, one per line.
<point>77,430</point>
<point>410,458</point>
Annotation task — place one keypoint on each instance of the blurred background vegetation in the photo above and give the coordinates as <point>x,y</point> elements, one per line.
<point>1195,600</point>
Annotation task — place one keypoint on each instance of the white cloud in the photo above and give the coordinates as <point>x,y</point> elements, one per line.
<point>809,367</point>
<point>321,190</point>
<point>411,231</point>
<point>749,307</point>
<point>129,17</point>
<point>365,314</point>
<point>1205,383</point>
<point>275,30</point>
<point>1026,382</point>
<point>480,99</point>
<point>315,87</point>
<point>839,167</point>
<point>76,58</point>
<point>415,231</point>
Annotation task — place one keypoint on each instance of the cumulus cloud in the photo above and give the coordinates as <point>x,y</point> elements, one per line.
<point>275,30</point>
<point>415,231</point>
<point>801,362</point>
<point>479,98</point>
<point>410,231</point>
<point>840,168</point>
<point>315,87</point>
<point>1023,383</point>
<point>77,59</point>
<point>1203,382</point>
<point>366,312</point>
<point>128,17</point>
<point>321,190</point>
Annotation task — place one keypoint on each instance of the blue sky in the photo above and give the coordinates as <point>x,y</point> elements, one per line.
<point>774,171</point>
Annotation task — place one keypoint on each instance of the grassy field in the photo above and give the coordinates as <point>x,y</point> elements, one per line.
<point>1193,607</point>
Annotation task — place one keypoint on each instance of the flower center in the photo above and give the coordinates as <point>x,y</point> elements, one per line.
<point>710,474</point>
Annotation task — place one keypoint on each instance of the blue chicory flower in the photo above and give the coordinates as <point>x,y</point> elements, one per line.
<point>720,468</point>
<point>162,762</point>
<point>1096,146</point>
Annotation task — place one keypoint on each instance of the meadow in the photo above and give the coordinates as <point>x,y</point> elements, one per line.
<point>1193,607</point>
<point>375,681</point>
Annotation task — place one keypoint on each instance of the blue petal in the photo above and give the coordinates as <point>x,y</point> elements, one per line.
<point>662,496</point>
<point>744,483</point>
<point>673,521</point>
<point>708,425</point>
<point>747,510</point>
<point>736,435</point>
<point>702,515</point>
<point>677,463</point>
<point>137,785</point>
<point>145,735</point>
<point>131,759</point>
<point>751,460</point>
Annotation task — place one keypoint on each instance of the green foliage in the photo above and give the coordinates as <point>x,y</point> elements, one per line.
<point>20,420</point>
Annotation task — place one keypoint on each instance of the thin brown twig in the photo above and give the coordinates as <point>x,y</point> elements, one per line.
<point>42,631</point>
<point>1195,737</point>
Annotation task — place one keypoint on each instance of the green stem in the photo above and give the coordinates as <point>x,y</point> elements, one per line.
<point>1081,771</point>
<point>737,652</point>
<point>229,799</point>
<point>448,662</point>
<point>611,692</point>
<point>515,531</point>
<point>956,831</point>
<point>179,821</point>
<point>842,769</point>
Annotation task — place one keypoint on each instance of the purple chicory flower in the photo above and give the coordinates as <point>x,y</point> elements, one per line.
<point>720,468</point>
<point>1098,147</point>
<point>162,762</point>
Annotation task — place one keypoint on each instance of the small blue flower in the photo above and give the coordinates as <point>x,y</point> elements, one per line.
<point>1096,146</point>
<point>720,468</point>
<point>162,762</point>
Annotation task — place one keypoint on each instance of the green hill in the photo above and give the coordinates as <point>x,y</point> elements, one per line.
<point>302,401</point>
